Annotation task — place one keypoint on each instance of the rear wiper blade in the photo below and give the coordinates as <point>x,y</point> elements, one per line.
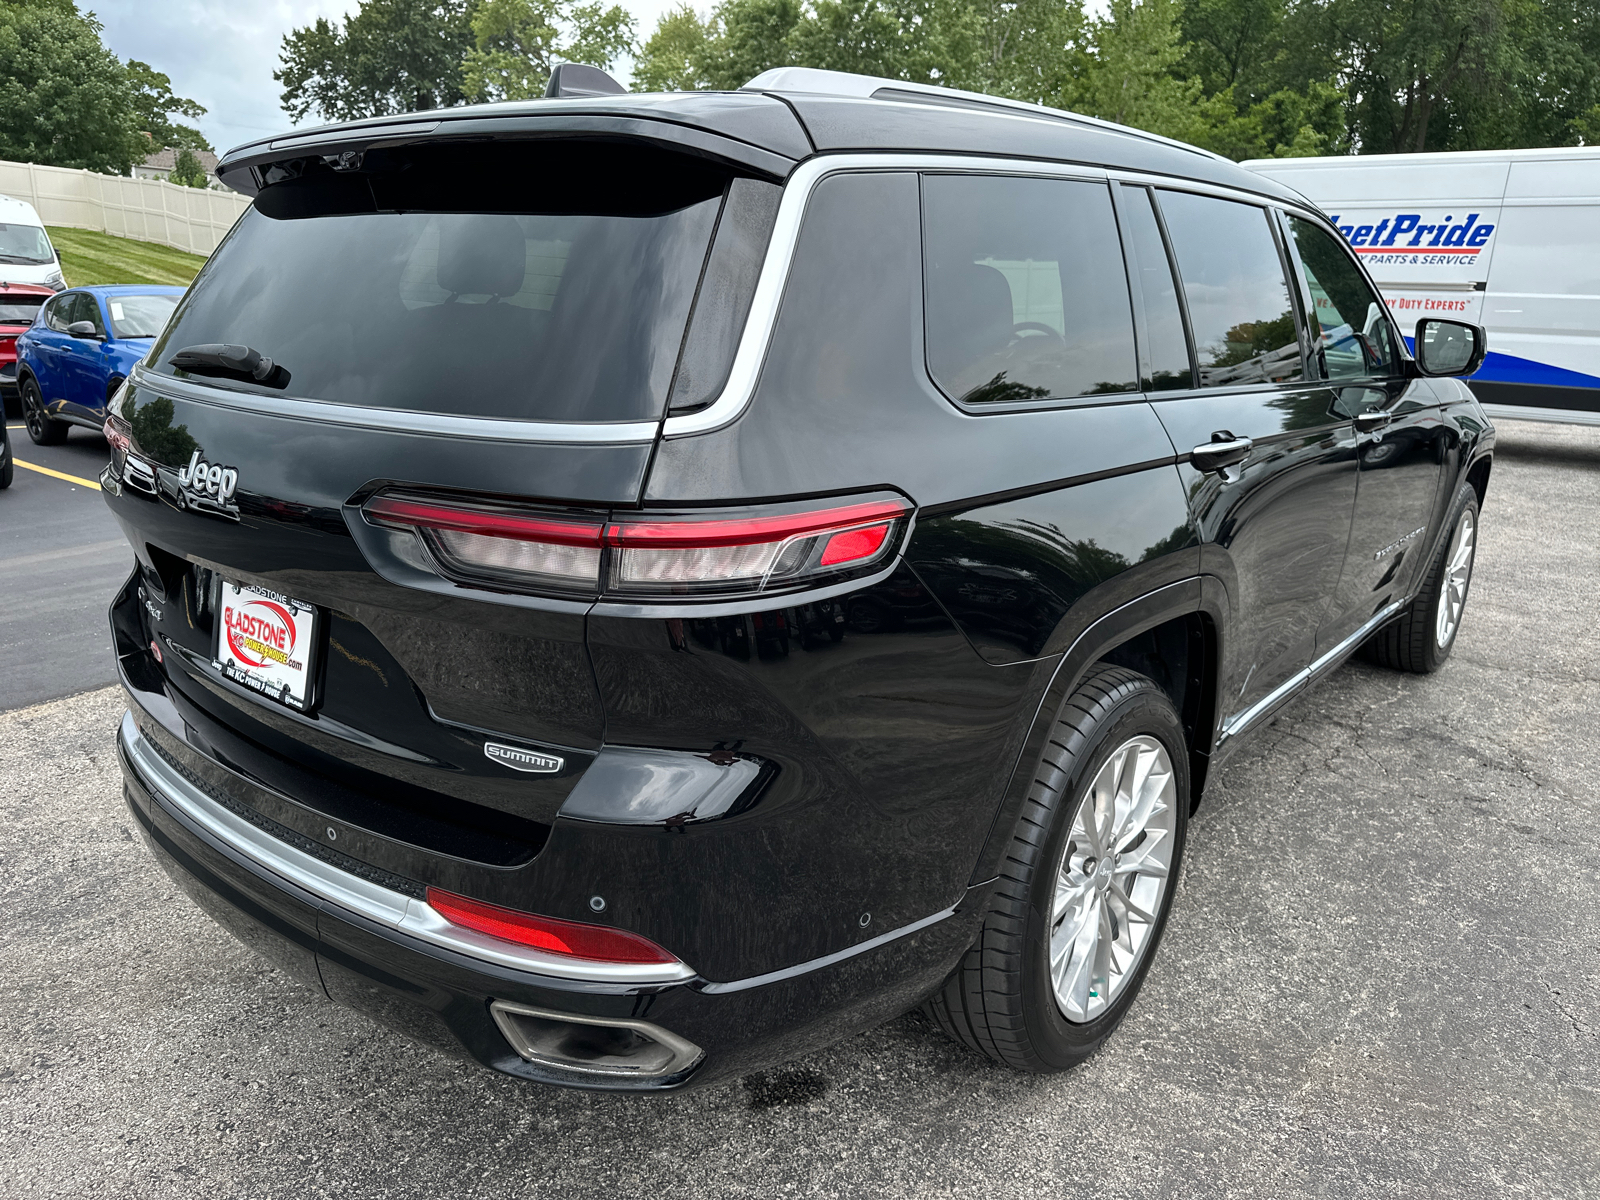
<point>241,362</point>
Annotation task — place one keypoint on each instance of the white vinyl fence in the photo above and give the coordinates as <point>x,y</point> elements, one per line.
<point>151,210</point>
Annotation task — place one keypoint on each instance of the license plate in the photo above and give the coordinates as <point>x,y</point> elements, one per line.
<point>265,642</point>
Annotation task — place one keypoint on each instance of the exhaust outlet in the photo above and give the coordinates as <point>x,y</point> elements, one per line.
<point>613,1048</point>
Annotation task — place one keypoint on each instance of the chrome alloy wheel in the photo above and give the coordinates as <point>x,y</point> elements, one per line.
<point>1112,878</point>
<point>1457,574</point>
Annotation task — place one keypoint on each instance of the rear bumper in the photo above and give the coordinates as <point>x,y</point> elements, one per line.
<point>384,953</point>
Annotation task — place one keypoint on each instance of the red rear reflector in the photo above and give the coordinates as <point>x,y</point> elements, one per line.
<point>596,943</point>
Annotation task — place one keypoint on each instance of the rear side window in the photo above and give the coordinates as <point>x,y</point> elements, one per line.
<point>535,281</point>
<point>1026,292</point>
<point>1239,306</point>
<point>1163,320</point>
<point>1349,333</point>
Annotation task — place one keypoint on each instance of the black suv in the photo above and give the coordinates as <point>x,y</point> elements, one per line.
<point>636,588</point>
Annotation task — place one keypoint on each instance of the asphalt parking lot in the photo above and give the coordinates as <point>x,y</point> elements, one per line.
<point>62,556</point>
<point>1382,978</point>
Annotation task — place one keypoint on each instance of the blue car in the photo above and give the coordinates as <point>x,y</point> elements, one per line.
<point>80,348</point>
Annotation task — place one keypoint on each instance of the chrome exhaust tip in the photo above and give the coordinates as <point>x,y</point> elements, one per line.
<point>604,1047</point>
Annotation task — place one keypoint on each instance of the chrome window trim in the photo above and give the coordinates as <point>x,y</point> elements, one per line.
<point>1178,183</point>
<point>381,905</point>
<point>752,352</point>
<point>394,420</point>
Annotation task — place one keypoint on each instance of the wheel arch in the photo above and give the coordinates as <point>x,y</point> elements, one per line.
<point>1478,476</point>
<point>1174,635</point>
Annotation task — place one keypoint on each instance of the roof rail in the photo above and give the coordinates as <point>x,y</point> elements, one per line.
<point>872,87</point>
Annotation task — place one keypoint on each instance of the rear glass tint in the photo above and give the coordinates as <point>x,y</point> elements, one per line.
<point>534,281</point>
<point>20,310</point>
<point>1027,296</point>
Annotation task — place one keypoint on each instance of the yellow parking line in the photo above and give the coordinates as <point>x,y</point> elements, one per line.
<point>57,474</point>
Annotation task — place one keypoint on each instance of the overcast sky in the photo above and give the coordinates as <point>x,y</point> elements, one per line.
<point>222,53</point>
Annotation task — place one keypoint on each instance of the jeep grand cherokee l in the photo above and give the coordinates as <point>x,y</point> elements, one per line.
<point>485,481</point>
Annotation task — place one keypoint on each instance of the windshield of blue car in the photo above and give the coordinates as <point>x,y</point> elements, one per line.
<point>24,244</point>
<point>140,316</point>
<point>20,310</point>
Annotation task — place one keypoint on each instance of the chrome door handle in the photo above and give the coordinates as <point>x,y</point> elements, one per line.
<point>1372,419</point>
<point>1223,450</point>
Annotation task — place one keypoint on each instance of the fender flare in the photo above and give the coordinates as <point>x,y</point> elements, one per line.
<point>1201,595</point>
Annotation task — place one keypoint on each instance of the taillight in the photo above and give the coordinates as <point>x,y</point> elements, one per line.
<point>690,554</point>
<point>575,939</point>
<point>661,556</point>
<point>119,437</point>
<point>498,545</point>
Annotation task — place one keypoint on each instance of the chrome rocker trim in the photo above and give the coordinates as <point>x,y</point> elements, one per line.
<point>381,905</point>
<point>1243,720</point>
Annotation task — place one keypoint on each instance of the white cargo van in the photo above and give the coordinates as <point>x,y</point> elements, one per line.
<point>26,255</point>
<point>1509,239</point>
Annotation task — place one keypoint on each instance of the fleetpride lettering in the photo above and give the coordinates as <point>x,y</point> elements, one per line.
<point>1405,231</point>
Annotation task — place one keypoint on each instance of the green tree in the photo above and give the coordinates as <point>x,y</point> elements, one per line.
<point>391,56</point>
<point>749,37</point>
<point>186,170</point>
<point>153,106</point>
<point>65,100</point>
<point>673,59</point>
<point>518,42</point>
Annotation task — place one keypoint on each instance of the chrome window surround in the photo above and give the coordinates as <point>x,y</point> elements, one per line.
<point>381,905</point>
<point>748,358</point>
<point>752,351</point>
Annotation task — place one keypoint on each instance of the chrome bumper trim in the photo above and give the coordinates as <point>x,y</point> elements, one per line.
<point>381,905</point>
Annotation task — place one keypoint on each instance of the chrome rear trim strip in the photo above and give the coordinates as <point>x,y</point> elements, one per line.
<point>1240,721</point>
<point>393,420</point>
<point>381,905</point>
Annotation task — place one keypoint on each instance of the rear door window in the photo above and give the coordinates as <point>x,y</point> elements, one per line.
<point>1026,292</point>
<point>1350,334</point>
<point>1238,296</point>
<point>535,281</point>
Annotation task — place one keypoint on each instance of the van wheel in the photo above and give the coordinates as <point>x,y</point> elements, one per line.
<point>44,429</point>
<point>1086,884</point>
<point>1421,638</point>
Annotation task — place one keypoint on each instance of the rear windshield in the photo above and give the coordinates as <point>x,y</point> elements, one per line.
<point>21,244</point>
<point>535,281</point>
<point>139,316</point>
<point>20,310</point>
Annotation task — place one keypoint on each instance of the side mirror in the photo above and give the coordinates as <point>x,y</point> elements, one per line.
<point>1449,347</point>
<point>83,329</point>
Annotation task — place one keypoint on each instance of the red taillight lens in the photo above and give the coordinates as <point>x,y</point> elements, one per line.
<point>669,556</point>
<point>597,943</point>
<point>482,542</point>
<point>691,554</point>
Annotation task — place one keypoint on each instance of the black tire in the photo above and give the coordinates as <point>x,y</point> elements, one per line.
<point>1412,641</point>
<point>7,470</point>
<point>1001,1000</point>
<point>44,429</point>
